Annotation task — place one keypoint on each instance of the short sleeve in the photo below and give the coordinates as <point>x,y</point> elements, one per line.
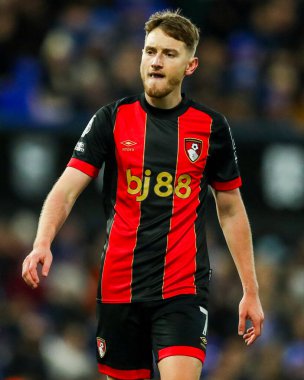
<point>94,144</point>
<point>222,164</point>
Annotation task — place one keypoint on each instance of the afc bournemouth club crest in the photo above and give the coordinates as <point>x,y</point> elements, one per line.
<point>193,148</point>
<point>101,345</point>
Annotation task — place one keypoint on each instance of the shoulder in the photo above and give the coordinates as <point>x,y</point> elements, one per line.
<point>218,119</point>
<point>104,118</point>
<point>111,108</point>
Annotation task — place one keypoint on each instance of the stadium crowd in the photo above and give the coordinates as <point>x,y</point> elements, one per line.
<point>62,60</point>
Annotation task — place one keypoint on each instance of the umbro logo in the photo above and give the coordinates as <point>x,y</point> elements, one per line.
<point>128,144</point>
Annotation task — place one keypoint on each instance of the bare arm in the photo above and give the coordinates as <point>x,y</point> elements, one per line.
<point>55,211</point>
<point>234,223</point>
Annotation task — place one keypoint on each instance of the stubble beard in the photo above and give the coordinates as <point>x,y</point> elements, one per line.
<point>160,92</point>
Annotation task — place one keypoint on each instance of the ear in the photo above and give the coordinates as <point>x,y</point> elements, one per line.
<point>191,67</point>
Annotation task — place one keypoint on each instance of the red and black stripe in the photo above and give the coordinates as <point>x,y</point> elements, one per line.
<point>156,246</point>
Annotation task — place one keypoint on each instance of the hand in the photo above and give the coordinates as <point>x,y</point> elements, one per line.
<point>250,309</point>
<point>30,263</point>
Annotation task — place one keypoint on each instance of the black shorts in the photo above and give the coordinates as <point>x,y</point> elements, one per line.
<point>127,334</point>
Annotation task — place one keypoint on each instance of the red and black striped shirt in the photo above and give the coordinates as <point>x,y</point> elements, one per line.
<point>158,165</point>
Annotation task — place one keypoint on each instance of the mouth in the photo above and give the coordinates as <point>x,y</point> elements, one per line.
<point>156,75</point>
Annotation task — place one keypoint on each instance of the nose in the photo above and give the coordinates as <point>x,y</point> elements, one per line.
<point>157,61</point>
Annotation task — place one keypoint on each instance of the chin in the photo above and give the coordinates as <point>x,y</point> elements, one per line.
<point>157,92</point>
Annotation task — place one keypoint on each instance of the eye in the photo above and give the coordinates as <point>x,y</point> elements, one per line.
<point>170,54</point>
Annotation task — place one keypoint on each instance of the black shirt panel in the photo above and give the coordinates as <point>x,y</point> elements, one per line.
<point>222,164</point>
<point>156,211</point>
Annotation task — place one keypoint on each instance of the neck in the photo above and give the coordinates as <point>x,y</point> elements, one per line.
<point>167,102</point>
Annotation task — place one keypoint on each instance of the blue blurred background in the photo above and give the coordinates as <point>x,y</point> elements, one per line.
<point>62,60</point>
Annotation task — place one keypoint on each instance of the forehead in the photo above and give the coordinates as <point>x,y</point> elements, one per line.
<point>160,40</point>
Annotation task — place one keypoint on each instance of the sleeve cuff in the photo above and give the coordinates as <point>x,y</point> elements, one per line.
<point>227,185</point>
<point>84,167</point>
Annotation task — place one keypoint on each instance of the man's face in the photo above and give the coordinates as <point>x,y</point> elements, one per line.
<point>163,65</point>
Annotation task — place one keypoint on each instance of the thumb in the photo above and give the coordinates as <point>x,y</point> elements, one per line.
<point>46,265</point>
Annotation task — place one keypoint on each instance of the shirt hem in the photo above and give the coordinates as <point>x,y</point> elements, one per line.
<point>150,299</point>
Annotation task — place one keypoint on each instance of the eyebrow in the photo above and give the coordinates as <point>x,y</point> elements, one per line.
<point>166,50</point>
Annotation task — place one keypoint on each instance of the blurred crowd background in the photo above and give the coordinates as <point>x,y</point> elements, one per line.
<point>62,60</point>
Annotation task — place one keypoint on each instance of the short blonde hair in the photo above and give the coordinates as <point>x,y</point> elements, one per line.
<point>176,26</point>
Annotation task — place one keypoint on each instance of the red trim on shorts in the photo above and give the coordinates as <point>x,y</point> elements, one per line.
<point>227,185</point>
<point>182,350</point>
<point>124,373</point>
<point>84,167</point>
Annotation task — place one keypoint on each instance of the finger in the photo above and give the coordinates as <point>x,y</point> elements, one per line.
<point>248,335</point>
<point>32,269</point>
<point>242,322</point>
<point>25,273</point>
<point>257,325</point>
<point>29,280</point>
<point>249,330</point>
<point>46,265</point>
<point>24,268</point>
<point>251,340</point>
